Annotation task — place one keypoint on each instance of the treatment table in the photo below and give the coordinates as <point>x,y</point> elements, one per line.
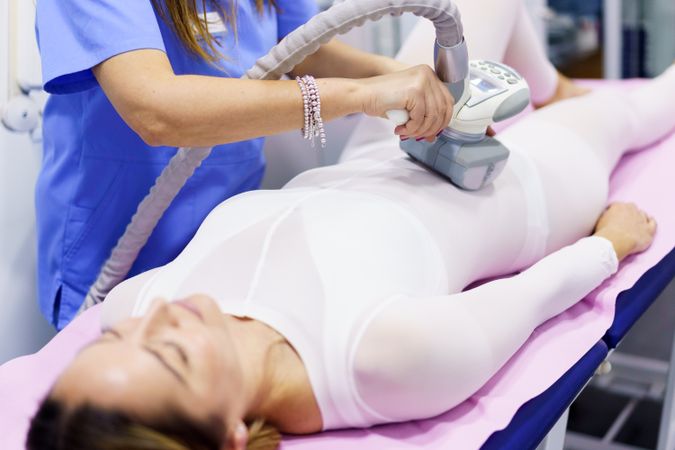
<point>543,419</point>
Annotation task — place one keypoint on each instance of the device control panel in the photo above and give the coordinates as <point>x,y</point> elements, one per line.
<point>497,93</point>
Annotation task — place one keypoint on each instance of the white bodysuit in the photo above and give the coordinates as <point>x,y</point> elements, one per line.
<point>362,266</point>
<point>320,264</point>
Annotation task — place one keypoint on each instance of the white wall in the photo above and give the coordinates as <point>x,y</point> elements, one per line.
<point>22,329</point>
<point>4,50</point>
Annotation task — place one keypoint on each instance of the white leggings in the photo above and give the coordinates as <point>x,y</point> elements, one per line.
<point>419,357</point>
<point>497,31</point>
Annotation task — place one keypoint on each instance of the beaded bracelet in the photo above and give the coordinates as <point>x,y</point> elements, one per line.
<point>312,107</point>
<point>305,101</point>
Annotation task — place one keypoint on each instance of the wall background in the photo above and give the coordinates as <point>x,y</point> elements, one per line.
<point>22,328</point>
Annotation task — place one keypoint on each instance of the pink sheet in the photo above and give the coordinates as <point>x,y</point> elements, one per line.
<point>644,178</point>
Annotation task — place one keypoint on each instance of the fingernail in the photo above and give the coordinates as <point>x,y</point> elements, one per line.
<point>439,133</point>
<point>404,138</point>
<point>419,139</point>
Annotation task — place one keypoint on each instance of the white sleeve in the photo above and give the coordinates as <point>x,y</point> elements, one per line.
<point>562,278</point>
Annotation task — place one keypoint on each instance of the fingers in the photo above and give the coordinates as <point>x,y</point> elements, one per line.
<point>651,225</point>
<point>444,108</point>
<point>433,118</point>
<point>649,220</point>
<point>422,118</point>
<point>417,114</point>
<point>430,105</point>
<point>417,101</point>
<point>448,106</point>
<point>428,117</point>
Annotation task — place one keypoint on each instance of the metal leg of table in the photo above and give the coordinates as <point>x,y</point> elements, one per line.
<point>612,39</point>
<point>667,428</point>
<point>555,439</point>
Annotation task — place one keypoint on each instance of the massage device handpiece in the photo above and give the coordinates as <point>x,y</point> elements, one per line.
<point>463,153</point>
<point>488,93</point>
<point>492,92</point>
<point>496,92</point>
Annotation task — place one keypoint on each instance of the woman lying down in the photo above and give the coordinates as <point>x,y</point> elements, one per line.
<point>337,301</point>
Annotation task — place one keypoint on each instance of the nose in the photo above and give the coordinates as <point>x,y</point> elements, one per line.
<point>158,316</point>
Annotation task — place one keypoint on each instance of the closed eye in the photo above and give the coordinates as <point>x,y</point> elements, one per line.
<point>111,331</point>
<point>179,350</point>
<point>155,354</point>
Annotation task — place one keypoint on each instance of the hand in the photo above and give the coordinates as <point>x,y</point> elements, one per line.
<point>628,228</point>
<point>417,90</point>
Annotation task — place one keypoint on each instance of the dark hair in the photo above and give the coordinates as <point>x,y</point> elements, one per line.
<point>86,427</point>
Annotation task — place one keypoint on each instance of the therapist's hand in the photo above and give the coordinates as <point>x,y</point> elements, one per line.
<point>417,90</point>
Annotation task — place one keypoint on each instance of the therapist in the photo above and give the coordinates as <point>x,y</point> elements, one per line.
<point>134,80</point>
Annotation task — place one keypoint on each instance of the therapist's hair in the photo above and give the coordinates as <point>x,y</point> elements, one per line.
<point>86,427</point>
<point>191,27</point>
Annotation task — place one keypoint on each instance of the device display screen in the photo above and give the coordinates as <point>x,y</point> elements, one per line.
<point>485,86</point>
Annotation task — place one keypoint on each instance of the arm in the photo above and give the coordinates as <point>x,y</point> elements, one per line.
<point>192,110</point>
<point>336,59</point>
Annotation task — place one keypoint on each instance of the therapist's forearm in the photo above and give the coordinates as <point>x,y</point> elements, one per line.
<point>192,110</point>
<point>166,109</point>
<point>337,59</point>
<point>199,111</point>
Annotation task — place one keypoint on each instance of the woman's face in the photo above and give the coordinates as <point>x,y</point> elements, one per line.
<point>180,356</point>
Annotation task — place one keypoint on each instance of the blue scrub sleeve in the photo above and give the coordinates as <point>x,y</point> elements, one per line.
<point>293,13</point>
<point>76,35</point>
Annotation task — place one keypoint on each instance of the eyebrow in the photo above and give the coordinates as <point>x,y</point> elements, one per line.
<point>158,356</point>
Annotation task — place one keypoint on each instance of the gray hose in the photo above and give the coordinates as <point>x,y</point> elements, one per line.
<point>343,17</point>
<point>291,51</point>
<point>149,212</point>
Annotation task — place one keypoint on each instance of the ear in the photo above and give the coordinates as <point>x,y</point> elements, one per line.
<point>237,437</point>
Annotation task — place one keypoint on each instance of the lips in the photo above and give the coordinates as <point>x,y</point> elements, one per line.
<point>190,307</point>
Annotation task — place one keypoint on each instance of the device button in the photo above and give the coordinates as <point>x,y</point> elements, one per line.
<point>512,81</point>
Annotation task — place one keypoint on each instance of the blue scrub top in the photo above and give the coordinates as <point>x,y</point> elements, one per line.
<point>96,169</point>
